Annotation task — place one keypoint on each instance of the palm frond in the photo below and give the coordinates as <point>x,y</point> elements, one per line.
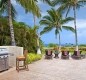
<point>45,22</point>
<point>63,8</point>
<point>48,18</point>
<point>52,13</point>
<point>4,8</point>
<point>32,7</point>
<point>57,2</point>
<point>49,2</point>
<point>68,10</point>
<point>66,20</point>
<point>46,30</point>
<point>69,28</point>
<point>2,2</point>
<point>82,2</point>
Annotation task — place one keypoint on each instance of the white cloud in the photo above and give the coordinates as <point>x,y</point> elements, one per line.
<point>44,13</point>
<point>81,27</point>
<point>80,23</point>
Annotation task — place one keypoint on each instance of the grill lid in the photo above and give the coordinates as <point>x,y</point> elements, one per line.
<point>3,51</point>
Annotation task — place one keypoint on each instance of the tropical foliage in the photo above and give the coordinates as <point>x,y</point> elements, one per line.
<point>25,35</point>
<point>52,45</point>
<point>32,7</point>
<point>33,57</point>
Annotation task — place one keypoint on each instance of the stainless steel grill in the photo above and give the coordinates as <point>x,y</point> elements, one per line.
<point>3,59</point>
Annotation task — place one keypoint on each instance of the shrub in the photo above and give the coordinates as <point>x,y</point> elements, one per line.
<point>52,45</point>
<point>33,57</point>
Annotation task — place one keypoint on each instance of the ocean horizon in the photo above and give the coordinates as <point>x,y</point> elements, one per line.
<point>64,44</point>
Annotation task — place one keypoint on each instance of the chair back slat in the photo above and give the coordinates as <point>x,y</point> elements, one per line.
<point>25,53</point>
<point>48,52</point>
<point>76,53</point>
<point>65,53</point>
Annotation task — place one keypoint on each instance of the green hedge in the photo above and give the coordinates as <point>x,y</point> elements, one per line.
<point>33,57</point>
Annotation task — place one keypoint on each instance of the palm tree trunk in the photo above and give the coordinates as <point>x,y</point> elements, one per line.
<point>76,38</point>
<point>38,41</point>
<point>38,48</point>
<point>59,43</point>
<point>34,19</point>
<point>10,23</point>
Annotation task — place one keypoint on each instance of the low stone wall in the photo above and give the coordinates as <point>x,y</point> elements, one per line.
<point>13,52</point>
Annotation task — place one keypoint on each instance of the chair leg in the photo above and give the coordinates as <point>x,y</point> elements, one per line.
<point>16,64</point>
<point>24,65</point>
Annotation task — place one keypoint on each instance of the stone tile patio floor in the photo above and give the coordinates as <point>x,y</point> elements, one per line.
<point>55,69</point>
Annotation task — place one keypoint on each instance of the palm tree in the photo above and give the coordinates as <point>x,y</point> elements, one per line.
<point>11,12</point>
<point>38,14</point>
<point>38,40</point>
<point>66,5</point>
<point>36,27</point>
<point>54,20</point>
<point>29,6</point>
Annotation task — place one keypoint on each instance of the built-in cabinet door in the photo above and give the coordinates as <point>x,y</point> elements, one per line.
<point>2,64</point>
<point>6,63</point>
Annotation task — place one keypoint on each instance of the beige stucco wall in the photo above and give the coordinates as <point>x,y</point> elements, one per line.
<point>13,52</point>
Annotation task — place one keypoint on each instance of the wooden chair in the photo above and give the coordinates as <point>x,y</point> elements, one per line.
<point>22,58</point>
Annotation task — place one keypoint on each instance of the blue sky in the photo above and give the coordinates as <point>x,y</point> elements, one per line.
<point>66,36</point>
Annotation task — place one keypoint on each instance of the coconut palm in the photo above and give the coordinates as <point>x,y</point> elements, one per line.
<point>29,6</point>
<point>36,27</point>
<point>38,40</point>
<point>11,12</point>
<point>67,5</point>
<point>54,20</point>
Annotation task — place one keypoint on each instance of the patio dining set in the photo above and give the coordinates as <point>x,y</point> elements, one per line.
<point>64,55</point>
